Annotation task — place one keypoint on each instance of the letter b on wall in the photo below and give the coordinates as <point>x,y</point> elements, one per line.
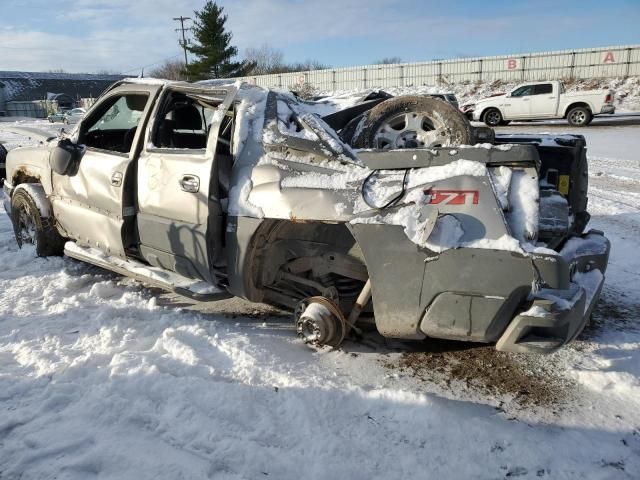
<point>512,64</point>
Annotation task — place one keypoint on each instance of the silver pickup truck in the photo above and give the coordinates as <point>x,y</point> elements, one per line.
<point>394,209</point>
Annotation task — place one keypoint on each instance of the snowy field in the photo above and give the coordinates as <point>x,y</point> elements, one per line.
<point>101,377</point>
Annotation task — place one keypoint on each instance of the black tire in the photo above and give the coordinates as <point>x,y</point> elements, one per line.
<point>354,125</point>
<point>579,117</point>
<point>492,117</point>
<point>430,114</point>
<point>3,161</point>
<point>31,227</point>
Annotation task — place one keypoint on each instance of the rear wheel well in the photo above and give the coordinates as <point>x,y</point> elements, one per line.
<point>575,105</point>
<point>289,261</point>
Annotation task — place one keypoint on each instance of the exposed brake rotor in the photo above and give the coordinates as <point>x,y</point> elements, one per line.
<point>319,321</point>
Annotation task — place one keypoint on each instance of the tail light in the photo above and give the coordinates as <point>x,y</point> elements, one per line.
<point>609,98</point>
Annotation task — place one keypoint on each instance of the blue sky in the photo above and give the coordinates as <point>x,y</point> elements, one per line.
<point>125,35</point>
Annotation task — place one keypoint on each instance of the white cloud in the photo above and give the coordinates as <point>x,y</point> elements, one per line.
<point>125,34</point>
<point>119,50</point>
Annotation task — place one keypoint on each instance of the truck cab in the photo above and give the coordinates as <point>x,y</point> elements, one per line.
<point>147,184</point>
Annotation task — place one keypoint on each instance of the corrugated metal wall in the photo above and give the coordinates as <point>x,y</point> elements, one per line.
<point>620,61</point>
<point>34,109</point>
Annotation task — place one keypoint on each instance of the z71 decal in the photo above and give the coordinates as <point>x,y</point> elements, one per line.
<point>453,197</point>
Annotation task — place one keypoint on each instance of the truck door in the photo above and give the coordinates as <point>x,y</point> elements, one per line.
<point>180,196</point>
<point>544,101</point>
<point>516,105</point>
<point>94,205</point>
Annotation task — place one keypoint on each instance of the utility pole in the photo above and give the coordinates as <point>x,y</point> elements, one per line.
<point>183,42</point>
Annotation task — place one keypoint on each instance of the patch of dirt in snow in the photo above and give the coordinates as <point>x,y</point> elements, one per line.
<point>515,380</point>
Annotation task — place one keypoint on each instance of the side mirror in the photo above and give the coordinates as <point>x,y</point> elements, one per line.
<point>65,157</point>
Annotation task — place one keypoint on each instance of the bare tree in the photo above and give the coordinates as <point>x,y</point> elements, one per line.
<point>266,59</point>
<point>388,61</point>
<point>170,70</point>
<point>106,71</point>
<point>307,65</point>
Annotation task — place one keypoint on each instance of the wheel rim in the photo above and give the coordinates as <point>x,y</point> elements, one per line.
<point>578,117</point>
<point>26,228</point>
<point>411,130</point>
<point>493,117</point>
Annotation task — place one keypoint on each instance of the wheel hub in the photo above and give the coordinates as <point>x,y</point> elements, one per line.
<point>320,322</point>
<point>493,117</point>
<point>578,117</point>
<point>411,130</point>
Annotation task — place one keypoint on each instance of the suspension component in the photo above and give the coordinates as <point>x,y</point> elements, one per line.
<point>361,302</point>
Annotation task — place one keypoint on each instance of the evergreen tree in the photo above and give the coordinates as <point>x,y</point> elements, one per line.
<point>212,47</point>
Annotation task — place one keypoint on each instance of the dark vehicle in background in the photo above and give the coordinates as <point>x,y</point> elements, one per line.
<point>447,97</point>
<point>67,116</point>
<point>57,116</point>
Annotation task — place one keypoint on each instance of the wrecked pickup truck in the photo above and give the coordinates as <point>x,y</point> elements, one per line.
<point>380,210</point>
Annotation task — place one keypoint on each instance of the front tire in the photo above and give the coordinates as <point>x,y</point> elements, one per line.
<point>579,117</point>
<point>30,227</point>
<point>492,117</point>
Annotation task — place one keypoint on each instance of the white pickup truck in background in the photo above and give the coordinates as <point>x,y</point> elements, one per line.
<point>544,100</point>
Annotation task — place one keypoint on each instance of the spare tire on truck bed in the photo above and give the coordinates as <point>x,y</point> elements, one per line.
<point>410,122</point>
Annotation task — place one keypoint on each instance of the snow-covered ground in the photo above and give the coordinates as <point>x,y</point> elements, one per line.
<point>101,377</point>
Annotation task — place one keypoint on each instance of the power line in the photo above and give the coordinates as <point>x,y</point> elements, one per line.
<point>183,43</point>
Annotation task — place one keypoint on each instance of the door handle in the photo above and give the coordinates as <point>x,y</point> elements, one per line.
<point>116,179</point>
<point>190,183</point>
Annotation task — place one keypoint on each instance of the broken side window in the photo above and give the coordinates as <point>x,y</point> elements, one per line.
<point>114,126</point>
<point>184,122</point>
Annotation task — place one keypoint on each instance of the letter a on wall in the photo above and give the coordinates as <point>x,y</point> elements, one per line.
<point>608,58</point>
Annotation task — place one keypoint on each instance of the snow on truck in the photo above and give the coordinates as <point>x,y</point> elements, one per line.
<point>543,100</point>
<point>380,210</point>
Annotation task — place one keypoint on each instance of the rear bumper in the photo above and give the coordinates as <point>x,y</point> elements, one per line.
<point>608,109</point>
<point>555,317</point>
